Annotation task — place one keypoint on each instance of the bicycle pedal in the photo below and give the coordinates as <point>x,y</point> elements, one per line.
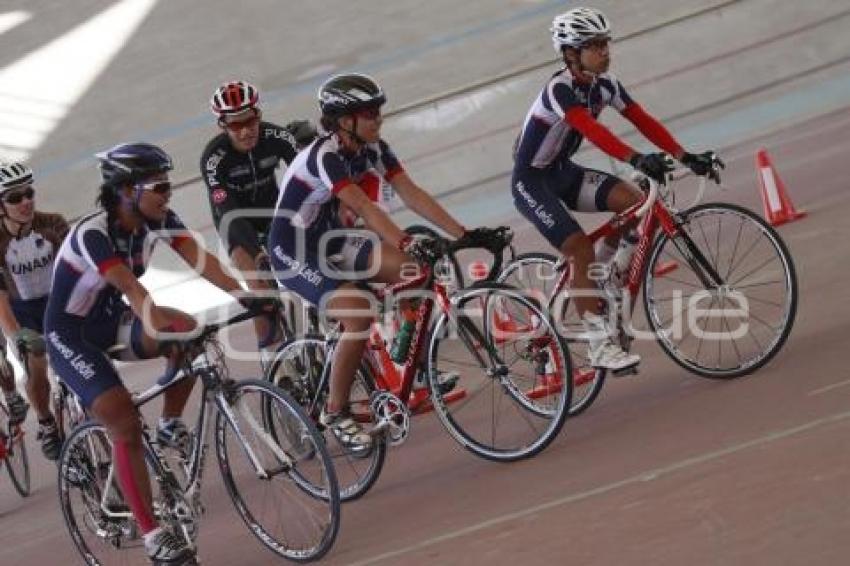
<point>625,372</point>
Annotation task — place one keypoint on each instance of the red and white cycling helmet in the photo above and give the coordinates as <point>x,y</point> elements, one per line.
<point>14,175</point>
<point>576,27</point>
<point>233,98</point>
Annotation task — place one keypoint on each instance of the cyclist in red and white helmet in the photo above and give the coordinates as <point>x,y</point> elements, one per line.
<point>238,167</point>
<point>546,181</point>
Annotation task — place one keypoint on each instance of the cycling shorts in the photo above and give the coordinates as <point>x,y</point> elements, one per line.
<point>545,197</point>
<point>307,277</point>
<point>81,351</point>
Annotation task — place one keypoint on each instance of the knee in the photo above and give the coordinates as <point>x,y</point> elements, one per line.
<point>579,249</point>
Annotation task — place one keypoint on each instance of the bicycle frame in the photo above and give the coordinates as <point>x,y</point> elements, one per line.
<point>653,215</point>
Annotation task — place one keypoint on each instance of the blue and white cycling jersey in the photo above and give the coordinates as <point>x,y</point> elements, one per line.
<point>307,209</point>
<point>307,202</point>
<point>546,137</point>
<point>93,246</point>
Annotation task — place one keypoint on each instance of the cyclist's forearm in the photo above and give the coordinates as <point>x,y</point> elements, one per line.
<point>426,206</point>
<point>653,130</point>
<point>207,266</point>
<point>8,321</point>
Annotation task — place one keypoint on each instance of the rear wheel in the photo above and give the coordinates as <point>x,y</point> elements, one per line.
<point>537,273</point>
<point>99,522</point>
<point>297,369</point>
<point>509,404</point>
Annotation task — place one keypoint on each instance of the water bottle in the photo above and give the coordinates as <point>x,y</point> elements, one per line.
<point>401,342</point>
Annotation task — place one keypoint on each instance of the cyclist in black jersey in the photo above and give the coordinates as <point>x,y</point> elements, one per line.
<point>238,167</point>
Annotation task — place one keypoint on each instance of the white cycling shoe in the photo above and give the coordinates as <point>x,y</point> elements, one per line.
<point>608,355</point>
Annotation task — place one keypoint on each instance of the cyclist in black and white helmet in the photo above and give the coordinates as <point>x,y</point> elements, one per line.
<point>238,167</point>
<point>546,181</point>
<point>316,258</point>
<point>29,240</point>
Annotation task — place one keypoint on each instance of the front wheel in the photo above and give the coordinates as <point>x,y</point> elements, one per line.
<point>509,403</point>
<point>282,484</point>
<point>729,305</point>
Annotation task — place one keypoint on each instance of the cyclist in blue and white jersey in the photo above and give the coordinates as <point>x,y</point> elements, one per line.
<point>546,181</point>
<point>100,262</point>
<point>326,174</point>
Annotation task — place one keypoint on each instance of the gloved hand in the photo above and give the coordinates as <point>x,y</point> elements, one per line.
<point>422,248</point>
<point>303,131</point>
<point>29,341</point>
<point>653,165</point>
<point>488,238</point>
<point>704,164</point>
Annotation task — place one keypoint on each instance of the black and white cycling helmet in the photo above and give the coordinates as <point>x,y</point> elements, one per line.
<point>578,26</point>
<point>346,94</point>
<point>14,175</point>
<point>132,162</point>
<point>233,98</point>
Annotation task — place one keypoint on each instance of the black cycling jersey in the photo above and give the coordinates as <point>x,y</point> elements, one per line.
<point>237,181</point>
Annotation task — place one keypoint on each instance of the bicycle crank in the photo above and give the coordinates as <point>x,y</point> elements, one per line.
<point>392,417</point>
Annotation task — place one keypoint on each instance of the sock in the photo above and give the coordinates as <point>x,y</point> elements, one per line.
<point>148,536</point>
<point>596,328</point>
<point>166,422</point>
<point>604,251</point>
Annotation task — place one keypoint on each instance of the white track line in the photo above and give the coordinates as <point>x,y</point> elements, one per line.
<point>649,475</point>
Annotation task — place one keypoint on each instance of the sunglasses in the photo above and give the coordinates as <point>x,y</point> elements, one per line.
<point>241,124</point>
<point>369,113</point>
<point>16,198</point>
<point>158,187</point>
<point>597,44</point>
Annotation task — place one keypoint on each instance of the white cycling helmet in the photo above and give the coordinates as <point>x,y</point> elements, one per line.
<point>578,26</point>
<point>14,175</point>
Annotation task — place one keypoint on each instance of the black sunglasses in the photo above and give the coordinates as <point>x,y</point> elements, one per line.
<point>17,197</point>
<point>159,187</point>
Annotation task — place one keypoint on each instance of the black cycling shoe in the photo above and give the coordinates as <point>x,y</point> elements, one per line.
<point>48,435</point>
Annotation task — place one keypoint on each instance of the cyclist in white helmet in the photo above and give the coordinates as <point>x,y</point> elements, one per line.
<point>238,166</point>
<point>29,240</point>
<point>546,181</point>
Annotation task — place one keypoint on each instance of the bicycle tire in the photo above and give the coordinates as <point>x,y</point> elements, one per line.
<point>16,460</point>
<point>327,516</point>
<point>587,380</point>
<point>533,429</point>
<point>83,465</point>
<point>353,483</point>
<point>652,282</point>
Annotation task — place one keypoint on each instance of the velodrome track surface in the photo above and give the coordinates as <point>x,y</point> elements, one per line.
<point>666,468</point>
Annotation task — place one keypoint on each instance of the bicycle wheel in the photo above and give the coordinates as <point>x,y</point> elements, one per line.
<point>729,306</point>
<point>535,273</point>
<point>17,462</point>
<point>98,520</point>
<point>285,489</point>
<point>510,407</point>
<point>297,368</point>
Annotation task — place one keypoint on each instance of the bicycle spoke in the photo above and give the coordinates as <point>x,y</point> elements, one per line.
<point>735,249</point>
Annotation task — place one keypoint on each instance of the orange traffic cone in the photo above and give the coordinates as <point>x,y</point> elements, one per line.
<point>778,208</point>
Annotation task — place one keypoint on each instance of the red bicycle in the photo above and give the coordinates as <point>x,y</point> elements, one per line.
<point>13,452</point>
<point>487,409</point>
<point>719,288</point>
